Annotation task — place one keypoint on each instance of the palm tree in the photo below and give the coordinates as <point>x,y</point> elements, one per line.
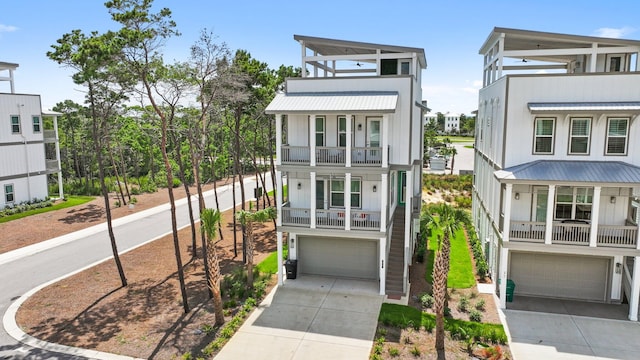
<point>448,220</point>
<point>452,151</point>
<point>247,219</point>
<point>209,219</point>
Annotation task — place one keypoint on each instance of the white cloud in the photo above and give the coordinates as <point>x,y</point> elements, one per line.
<point>7,28</point>
<point>614,33</point>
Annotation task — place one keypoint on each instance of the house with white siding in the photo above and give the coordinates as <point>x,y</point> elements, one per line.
<point>29,147</point>
<point>349,142</point>
<point>557,166</point>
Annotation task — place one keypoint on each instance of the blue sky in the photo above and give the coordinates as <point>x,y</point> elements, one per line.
<point>451,32</point>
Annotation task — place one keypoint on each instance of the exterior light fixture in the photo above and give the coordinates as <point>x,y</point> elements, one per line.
<point>375,188</point>
<point>618,268</point>
<point>359,127</point>
<point>299,185</point>
<point>613,199</point>
<point>517,196</point>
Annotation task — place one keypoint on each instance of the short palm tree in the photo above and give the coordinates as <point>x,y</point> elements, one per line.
<point>248,219</point>
<point>210,219</point>
<point>448,219</point>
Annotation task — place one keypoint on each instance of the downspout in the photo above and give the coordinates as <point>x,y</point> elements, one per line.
<point>26,153</point>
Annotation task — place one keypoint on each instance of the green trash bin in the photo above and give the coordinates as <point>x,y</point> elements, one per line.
<point>511,287</point>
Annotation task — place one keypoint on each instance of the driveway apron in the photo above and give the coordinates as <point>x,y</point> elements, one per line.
<point>310,318</point>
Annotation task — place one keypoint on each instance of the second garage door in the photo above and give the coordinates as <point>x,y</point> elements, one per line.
<point>561,276</point>
<point>338,257</point>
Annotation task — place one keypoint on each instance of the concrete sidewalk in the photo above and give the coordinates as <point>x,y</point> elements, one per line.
<point>310,318</point>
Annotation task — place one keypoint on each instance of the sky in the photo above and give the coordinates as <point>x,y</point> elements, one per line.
<point>450,32</point>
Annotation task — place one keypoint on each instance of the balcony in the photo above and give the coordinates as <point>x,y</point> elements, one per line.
<point>332,156</point>
<point>577,234</point>
<point>331,218</point>
<point>49,135</point>
<point>52,165</point>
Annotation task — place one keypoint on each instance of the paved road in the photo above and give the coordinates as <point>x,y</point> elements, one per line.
<point>28,268</point>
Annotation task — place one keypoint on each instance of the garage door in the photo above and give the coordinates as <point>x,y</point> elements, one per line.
<point>561,276</point>
<point>338,257</point>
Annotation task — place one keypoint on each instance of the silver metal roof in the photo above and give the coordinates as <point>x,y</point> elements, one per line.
<point>571,171</point>
<point>334,102</point>
<point>584,106</point>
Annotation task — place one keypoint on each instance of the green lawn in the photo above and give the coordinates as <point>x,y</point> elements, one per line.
<point>461,270</point>
<point>68,202</point>
<point>456,139</point>
<point>269,265</point>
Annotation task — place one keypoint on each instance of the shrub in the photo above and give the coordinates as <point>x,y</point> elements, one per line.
<point>426,300</point>
<point>394,352</point>
<point>475,315</point>
<point>480,305</point>
<point>463,304</point>
<point>415,351</point>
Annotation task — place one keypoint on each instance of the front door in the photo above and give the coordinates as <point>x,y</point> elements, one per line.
<point>373,139</point>
<point>320,194</point>
<point>402,187</point>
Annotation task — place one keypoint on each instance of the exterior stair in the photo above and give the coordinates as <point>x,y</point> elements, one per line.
<point>395,262</point>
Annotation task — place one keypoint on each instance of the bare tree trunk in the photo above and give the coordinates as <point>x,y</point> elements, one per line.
<point>250,248</point>
<point>214,281</point>
<point>187,191</point>
<point>215,196</point>
<point>124,174</point>
<point>115,172</point>
<point>235,233</point>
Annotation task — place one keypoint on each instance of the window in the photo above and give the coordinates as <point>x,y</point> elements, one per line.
<point>337,193</point>
<point>579,141</point>
<point>405,66</point>
<point>9,196</point>
<point>617,129</point>
<point>319,130</point>
<point>15,124</point>
<point>544,136</point>
<point>573,203</point>
<point>342,131</point>
<point>36,124</point>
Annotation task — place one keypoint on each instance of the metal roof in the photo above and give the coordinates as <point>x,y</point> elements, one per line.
<point>334,102</point>
<point>584,106</point>
<point>572,171</point>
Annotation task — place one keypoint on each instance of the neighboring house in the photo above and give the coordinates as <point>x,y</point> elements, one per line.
<point>451,122</point>
<point>349,140</point>
<point>29,148</point>
<point>557,165</point>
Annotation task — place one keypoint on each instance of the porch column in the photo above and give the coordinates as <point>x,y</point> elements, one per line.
<point>503,272</point>
<point>595,213</point>
<point>279,259</point>
<point>407,228</point>
<point>383,265</point>
<point>385,140</point>
<point>279,197</point>
<point>616,281</point>
<point>347,200</point>
<point>313,206</point>
<point>635,290</point>
<point>506,227</point>
<point>638,237</point>
<point>549,223</point>
<point>384,196</point>
<point>312,140</point>
<point>347,161</point>
<point>279,139</point>
<point>60,185</point>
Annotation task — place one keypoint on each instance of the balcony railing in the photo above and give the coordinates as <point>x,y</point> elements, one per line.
<point>295,154</point>
<point>621,236</point>
<point>366,156</point>
<point>330,155</point>
<point>52,165</point>
<point>331,218</point>
<point>326,155</point>
<point>49,135</point>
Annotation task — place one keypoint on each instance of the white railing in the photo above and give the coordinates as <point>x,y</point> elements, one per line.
<point>330,218</point>
<point>52,165</point>
<point>295,216</point>
<point>366,156</point>
<point>365,220</point>
<point>330,155</point>
<point>617,236</point>
<point>49,134</point>
<point>527,231</point>
<point>571,234</point>
<point>295,154</point>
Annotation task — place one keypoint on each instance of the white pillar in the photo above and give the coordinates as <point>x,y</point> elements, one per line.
<point>385,140</point>
<point>593,58</point>
<point>347,200</point>
<point>383,264</point>
<point>595,213</point>
<point>384,196</point>
<point>616,281</point>
<point>279,197</point>
<point>279,260</point>
<point>313,213</point>
<point>60,185</point>
<point>349,144</point>
<point>551,201</point>
<point>506,227</point>
<point>635,290</point>
<point>278,139</point>
<point>312,140</point>
<point>407,227</point>
<point>504,266</point>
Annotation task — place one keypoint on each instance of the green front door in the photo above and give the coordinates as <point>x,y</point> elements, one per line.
<point>402,187</point>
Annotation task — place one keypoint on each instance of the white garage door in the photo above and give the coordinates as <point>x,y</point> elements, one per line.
<point>561,276</point>
<point>338,257</point>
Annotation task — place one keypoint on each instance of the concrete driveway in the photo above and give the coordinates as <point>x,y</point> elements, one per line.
<point>310,318</point>
<point>536,335</point>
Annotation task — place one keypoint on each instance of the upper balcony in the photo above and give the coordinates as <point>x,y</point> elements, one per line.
<point>332,156</point>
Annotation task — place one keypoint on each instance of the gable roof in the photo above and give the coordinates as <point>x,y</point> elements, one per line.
<point>334,102</point>
<point>617,172</point>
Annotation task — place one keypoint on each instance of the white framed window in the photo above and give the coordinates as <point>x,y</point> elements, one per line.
<point>405,67</point>
<point>580,136</point>
<point>337,189</point>
<point>320,123</point>
<point>617,132</point>
<point>37,125</point>
<point>15,124</point>
<point>573,203</point>
<point>342,131</point>
<point>544,129</point>
<point>9,194</point>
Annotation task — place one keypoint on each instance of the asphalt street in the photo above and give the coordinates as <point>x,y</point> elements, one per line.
<point>30,267</point>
